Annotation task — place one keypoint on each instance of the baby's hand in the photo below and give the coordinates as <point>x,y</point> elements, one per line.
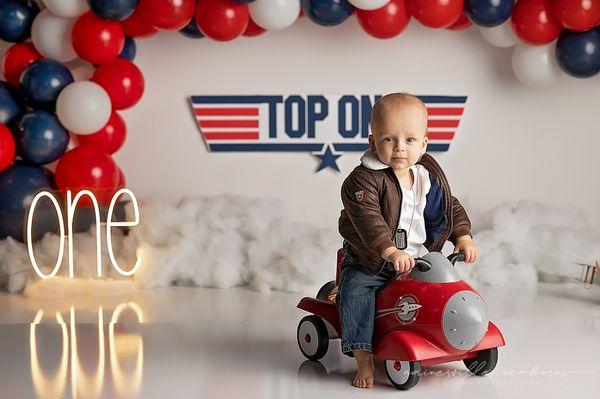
<point>467,245</point>
<point>402,261</point>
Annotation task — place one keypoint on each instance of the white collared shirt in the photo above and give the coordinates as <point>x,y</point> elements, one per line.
<point>415,199</point>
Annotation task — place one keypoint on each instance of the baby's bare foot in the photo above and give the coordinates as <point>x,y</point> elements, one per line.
<point>365,375</point>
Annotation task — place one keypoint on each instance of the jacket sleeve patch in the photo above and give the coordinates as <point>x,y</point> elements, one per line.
<point>360,195</point>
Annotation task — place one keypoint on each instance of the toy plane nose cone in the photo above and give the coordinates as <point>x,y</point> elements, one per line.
<point>464,320</point>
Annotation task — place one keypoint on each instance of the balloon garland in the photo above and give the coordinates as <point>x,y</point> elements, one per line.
<point>70,69</point>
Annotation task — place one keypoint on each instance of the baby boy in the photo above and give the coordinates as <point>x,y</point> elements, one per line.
<point>397,205</point>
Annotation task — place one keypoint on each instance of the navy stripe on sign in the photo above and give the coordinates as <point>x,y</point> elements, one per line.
<point>351,147</point>
<point>437,147</point>
<point>357,147</point>
<point>254,147</point>
<point>234,99</point>
<point>444,99</point>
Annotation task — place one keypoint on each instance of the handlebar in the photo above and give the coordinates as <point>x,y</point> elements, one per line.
<point>388,269</point>
<point>422,265</point>
<point>456,257</point>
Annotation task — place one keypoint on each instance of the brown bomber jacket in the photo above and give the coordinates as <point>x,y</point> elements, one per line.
<point>372,201</point>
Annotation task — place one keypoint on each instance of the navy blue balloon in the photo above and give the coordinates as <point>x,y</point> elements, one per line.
<point>11,108</point>
<point>18,184</point>
<point>16,18</point>
<point>489,13</point>
<point>327,12</point>
<point>117,10</point>
<point>40,137</point>
<point>129,49</point>
<point>191,30</point>
<point>578,53</point>
<point>42,81</point>
<point>243,1</point>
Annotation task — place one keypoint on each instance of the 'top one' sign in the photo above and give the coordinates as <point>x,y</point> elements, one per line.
<point>324,125</point>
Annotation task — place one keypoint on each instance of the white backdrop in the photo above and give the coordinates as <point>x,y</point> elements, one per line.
<point>513,142</point>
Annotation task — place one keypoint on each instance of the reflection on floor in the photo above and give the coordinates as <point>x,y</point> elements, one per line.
<point>237,343</point>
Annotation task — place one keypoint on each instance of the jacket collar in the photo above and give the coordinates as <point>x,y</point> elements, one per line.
<point>371,161</point>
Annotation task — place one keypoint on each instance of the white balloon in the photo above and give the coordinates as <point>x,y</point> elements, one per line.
<point>368,4</point>
<point>67,8</point>
<point>83,72</point>
<point>83,107</point>
<point>535,65</point>
<point>274,14</point>
<point>51,36</point>
<point>76,63</point>
<point>500,36</point>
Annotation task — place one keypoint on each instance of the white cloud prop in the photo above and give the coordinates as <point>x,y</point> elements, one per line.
<point>229,241</point>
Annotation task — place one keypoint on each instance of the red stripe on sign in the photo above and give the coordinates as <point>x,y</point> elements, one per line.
<point>226,111</point>
<point>442,123</point>
<point>444,111</point>
<point>230,123</point>
<point>440,135</point>
<point>231,136</point>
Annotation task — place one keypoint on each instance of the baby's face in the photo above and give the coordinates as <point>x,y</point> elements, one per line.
<point>399,136</point>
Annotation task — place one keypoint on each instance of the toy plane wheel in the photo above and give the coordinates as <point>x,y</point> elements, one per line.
<point>403,374</point>
<point>484,362</point>
<point>313,338</point>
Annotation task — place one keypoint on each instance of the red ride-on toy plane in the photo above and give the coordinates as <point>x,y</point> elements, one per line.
<point>423,317</point>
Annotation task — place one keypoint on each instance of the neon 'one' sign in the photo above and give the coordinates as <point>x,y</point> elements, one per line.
<point>71,205</point>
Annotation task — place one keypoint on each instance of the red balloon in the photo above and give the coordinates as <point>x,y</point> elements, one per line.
<point>171,14</point>
<point>122,80</point>
<point>577,15</point>
<point>463,22</point>
<point>533,22</point>
<point>17,58</point>
<point>97,40</point>
<point>384,22</point>
<point>138,24</point>
<point>110,138</point>
<point>253,29</point>
<point>436,13</point>
<point>222,20</point>
<point>7,148</point>
<point>88,168</point>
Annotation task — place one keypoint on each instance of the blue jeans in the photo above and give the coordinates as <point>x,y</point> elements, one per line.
<point>356,304</point>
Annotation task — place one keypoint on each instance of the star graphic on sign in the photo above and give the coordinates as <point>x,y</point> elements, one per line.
<point>328,159</point>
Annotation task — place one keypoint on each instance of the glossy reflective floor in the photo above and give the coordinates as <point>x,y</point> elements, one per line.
<point>235,343</point>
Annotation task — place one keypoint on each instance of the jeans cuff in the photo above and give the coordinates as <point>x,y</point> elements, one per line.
<point>347,348</point>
